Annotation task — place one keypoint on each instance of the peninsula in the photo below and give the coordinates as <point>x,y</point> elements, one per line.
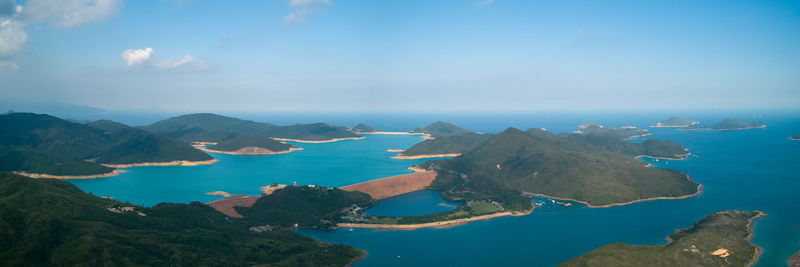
<point>363,128</point>
<point>719,239</point>
<point>731,124</point>
<point>447,140</point>
<point>675,122</point>
<point>45,146</point>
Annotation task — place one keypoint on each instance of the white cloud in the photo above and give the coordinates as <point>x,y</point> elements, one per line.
<point>145,58</point>
<point>12,37</point>
<point>135,57</point>
<point>301,8</point>
<point>70,13</point>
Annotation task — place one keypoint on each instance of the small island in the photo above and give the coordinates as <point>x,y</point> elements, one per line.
<point>675,122</point>
<point>730,124</point>
<point>246,145</point>
<point>719,239</point>
<point>624,132</point>
<point>795,137</point>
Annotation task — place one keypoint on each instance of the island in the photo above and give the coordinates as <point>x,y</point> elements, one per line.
<point>675,122</point>
<point>730,124</point>
<point>246,145</point>
<point>719,239</point>
<point>37,233</point>
<point>596,170</point>
<point>624,132</point>
<point>446,140</point>
<point>207,127</point>
<point>795,137</point>
<point>43,146</point>
<point>363,128</point>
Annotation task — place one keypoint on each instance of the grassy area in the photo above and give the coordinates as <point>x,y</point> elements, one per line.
<point>726,230</point>
<point>471,209</point>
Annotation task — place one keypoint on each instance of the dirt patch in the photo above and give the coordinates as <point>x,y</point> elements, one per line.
<point>395,185</point>
<point>226,205</point>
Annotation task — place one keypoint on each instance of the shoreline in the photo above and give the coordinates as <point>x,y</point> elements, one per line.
<point>751,234</point>
<point>44,175</point>
<point>356,259</point>
<point>250,150</point>
<point>317,141</point>
<point>425,156</point>
<point>439,224</point>
<point>168,163</point>
<point>637,136</point>
<point>677,157</point>
<point>732,129</point>
<point>699,190</point>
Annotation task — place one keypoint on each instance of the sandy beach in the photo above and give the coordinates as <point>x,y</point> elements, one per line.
<point>168,163</point>
<point>42,175</point>
<point>318,142</point>
<point>699,190</point>
<point>442,224</point>
<point>219,193</point>
<point>250,150</point>
<point>394,150</point>
<point>401,156</point>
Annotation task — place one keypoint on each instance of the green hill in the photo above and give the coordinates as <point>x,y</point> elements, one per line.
<point>564,166</point>
<point>450,144</point>
<point>731,124</point>
<point>441,129</point>
<point>729,230</point>
<point>239,142</point>
<point>650,147</point>
<point>47,222</point>
<point>363,128</point>
<point>45,144</point>
<point>206,127</point>
<point>306,206</point>
<point>675,122</point>
<point>620,133</point>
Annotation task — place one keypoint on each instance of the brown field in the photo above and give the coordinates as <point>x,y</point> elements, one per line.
<point>395,185</point>
<point>226,205</point>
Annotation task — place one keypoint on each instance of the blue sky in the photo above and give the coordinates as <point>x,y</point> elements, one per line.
<point>401,55</point>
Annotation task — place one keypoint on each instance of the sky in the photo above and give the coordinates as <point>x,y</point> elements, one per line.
<point>338,55</point>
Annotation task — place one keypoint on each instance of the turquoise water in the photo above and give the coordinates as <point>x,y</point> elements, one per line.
<point>753,169</point>
<point>417,203</point>
<point>328,164</point>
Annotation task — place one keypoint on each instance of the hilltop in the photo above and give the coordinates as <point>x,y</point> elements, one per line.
<point>675,122</point>
<point>440,129</point>
<point>560,166</point>
<point>43,144</point>
<point>51,222</point>
<point>207,127</point>
<point>719,239</point>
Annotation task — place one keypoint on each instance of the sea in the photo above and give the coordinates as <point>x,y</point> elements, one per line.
<point>754,169</point>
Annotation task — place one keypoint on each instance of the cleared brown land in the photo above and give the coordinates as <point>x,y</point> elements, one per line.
<point>395,185</point>
<point>226,205</point>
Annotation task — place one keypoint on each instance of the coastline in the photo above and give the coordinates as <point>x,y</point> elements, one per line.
<point>750,225</point>
<point>43,175</point>
<point>250,150</point>
<point>677,157</point>
<point>424,156</point>
<point>699,190</point>
<point>356,259</point>
<point>168,163</point>
<point>440,224</point>
<point>637,136</point>
<point>317,142</point>
<point>732,129</point>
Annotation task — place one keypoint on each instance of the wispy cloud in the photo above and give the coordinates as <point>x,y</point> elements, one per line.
<point>300,9</point>
<point>69,13</point>
<point>146,58</point>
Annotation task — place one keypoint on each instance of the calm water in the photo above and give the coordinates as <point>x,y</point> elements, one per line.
<point>417,203</point>
<point>754,169</point>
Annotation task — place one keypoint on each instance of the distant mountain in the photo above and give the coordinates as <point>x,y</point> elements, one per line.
<point>206,127</point>
<point>450,144</point>
<point>47,222</point>
<point>363,128</point>
<point>675,122</point>
<point>48,107</point>
<point>441,129</point>
<point>719,239</point>
<point>620,133</point>
<point>45,144</point>
<point>561,166</point>
<point>731,124</point>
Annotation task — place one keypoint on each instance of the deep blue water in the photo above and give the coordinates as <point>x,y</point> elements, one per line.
<point>753,169</point>
<point>417,203</point>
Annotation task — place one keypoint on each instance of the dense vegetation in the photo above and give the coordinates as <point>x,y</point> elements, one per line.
<point>566,166</point>
<point>240,142</point>
<point>451,144</point>
<point>650,147</point>
<point>306,206</point>
<point>441,129</point>
<point>47,222</point>
<point>363,128</point>
<point>619,133</point>
<point>676,122</point>
<point>207,127</point>
<point>693,247</point>
<point>731,124</point>
<point>44,144</point>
